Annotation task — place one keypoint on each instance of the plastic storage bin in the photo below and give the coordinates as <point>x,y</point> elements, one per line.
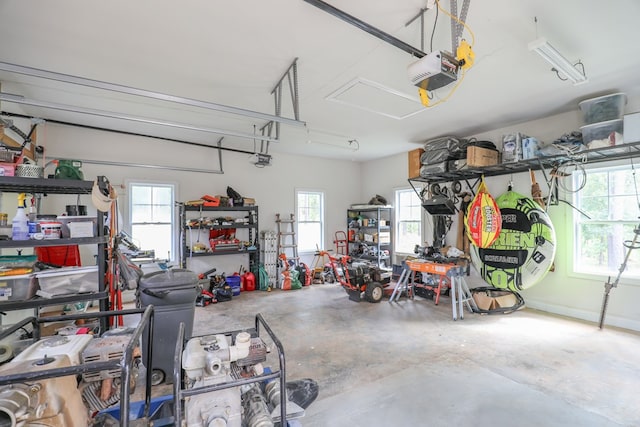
<point>20,287</point>
<point>65,281</point>
<point>234,282</point>
<point>602,134</point>
<point>62,256</point>
<point>603,108</point>
<point>173,294</point>
<point>78,226</point>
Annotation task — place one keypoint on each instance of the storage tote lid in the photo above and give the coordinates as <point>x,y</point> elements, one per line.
<point>169,279</point>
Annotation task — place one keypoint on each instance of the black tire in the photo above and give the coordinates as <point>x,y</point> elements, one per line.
<point>374,292</point>
<point>456,187</point>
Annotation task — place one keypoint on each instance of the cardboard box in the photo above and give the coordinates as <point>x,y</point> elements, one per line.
<point>479,156</point>
<point>491,300</point>
<point>506,301</point>
<point>384,237</point>
<point>483,301</point>
<point>414,162</point>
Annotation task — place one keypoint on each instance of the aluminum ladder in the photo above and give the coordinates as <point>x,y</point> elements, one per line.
<point>404,284</point>
<point>286,242</point>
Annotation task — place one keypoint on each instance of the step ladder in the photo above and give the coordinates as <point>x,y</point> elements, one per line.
<point>269,256</point>
<point>461,296</point>
<point>287,243</point>
<point>403,285</point>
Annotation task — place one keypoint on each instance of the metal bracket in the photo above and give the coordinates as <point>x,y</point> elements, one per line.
<point>457,25</point>
<point>291,76</point>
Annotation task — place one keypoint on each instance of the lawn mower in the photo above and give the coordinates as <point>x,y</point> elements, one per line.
<point>358,279</point>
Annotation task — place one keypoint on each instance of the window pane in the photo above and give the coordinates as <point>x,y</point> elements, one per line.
<point>408,236</point>
<point>140,194</point>
<point>309,236</point>
<point>309,220</point>
<point>162,213</point>
<point>140,213</point>
<point>162,196</point>
<point>609,198</point>
<point>153,236</point>
<point>601,249</point>
<point>408,221</point>
<point>152,217</point>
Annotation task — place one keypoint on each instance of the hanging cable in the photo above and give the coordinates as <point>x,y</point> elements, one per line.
<point>433,31</point>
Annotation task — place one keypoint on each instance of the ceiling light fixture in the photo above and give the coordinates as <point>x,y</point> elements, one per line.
<point>560,64</point>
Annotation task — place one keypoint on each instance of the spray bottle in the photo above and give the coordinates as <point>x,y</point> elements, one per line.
<point>20,227</point>
<point>33,218</point>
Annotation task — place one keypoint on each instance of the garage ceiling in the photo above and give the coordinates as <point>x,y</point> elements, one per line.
<point>354,93</point>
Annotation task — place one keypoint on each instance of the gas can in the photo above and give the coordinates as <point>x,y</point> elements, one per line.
<point>249,281</point>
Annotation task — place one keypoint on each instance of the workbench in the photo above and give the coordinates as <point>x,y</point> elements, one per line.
<point>454,273</point>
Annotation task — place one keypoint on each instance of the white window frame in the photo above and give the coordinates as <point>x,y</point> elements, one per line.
<point>399,221</point>
<point>174,186</point>
<point>321,193</point>
<point>578,219</point>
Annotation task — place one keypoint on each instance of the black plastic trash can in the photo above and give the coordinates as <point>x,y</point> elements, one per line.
<point>173,294</point>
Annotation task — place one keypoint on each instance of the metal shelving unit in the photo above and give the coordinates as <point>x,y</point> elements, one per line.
<point>596,155</point>
<point>376,215</point>
<point>58,186</point>
<point>252,227</point>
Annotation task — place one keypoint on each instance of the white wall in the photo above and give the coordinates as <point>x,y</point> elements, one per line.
<point>273,187</point>
<point>344,183</point>
<point>561,292</point>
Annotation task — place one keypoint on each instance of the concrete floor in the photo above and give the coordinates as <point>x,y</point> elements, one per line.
<point>408,363</point>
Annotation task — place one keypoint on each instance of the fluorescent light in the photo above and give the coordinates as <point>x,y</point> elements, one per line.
<point>559,62</point>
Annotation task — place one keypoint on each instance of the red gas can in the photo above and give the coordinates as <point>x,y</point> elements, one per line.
<point>249,281</point>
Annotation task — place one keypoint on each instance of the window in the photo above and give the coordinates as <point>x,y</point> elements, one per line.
<point>310,220</point>
<point>408,221</point>
<point>152,217</point>
<point>609,199</point>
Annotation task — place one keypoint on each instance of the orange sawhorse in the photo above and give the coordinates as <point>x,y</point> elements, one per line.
<point>460,293</point>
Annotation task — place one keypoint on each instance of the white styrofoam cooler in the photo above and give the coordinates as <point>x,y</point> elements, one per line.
<point>72,280</point>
